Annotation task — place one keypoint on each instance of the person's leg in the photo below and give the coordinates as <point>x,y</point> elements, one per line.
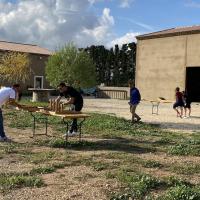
<point>134,115</point>
<point>181,111</point>
<point>74,127</point>
<point>185,111</point>
<point>132,109</point>
<point>175,107</point>
<point>178,113</point>
<point>2,133</point>
<point>189,111</point>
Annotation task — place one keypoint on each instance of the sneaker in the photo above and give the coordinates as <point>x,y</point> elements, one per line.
<point>138,119</point>
<point>67,134</point>
<point>74,133</point>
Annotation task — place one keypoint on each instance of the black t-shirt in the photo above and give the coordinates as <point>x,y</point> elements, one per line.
<point>187,99</point>
<point>71,92</point>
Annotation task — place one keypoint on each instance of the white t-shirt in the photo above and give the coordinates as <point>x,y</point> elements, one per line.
<point>6,94</point>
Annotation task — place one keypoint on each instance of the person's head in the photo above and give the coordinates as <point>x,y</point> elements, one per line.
<point>131,83</point>
<point>62,87</point>
<point>18,91</point>
<point>177,89</point>
<point>16,87</point>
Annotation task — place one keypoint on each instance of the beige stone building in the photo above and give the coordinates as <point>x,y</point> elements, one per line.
<point>167,59</point>
<point>38,57</point>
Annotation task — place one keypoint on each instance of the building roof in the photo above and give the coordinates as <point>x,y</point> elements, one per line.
<point>171,32</point>
<point>25,48</point>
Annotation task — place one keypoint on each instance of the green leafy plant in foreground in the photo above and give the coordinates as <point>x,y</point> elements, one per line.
<point>18,181</point>
<point>181,192</point>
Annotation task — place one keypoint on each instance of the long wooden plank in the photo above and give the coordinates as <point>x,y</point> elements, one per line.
<point>69,115</point>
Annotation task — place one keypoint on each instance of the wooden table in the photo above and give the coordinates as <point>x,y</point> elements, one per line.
<point>155,105</point>
<point>66,119</point>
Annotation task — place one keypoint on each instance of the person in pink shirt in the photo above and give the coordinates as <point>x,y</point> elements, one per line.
<point>179,102</point>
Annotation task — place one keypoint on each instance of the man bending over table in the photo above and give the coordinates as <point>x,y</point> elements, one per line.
<point>8,95</point>
<point>74,98</point>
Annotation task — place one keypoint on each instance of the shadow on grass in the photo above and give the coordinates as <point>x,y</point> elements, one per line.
<point>185,125</point>
<point>124,145</point>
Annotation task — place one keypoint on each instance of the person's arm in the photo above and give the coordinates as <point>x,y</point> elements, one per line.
<point>70,101</point>
<point>58,98</point>
<point>14,103</point>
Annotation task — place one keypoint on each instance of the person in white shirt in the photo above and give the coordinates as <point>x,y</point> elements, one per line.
<point>7,95</point>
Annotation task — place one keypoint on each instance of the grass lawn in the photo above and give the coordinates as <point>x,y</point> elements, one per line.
<point>116,160</point>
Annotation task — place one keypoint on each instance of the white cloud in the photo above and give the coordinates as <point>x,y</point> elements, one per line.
<point>126,3</point>
<point>50,23</point>
<point>143,25</point>
<point>100,33</point>
<point>127,38</point>
<point>122,3</point>
<point>94,1</point>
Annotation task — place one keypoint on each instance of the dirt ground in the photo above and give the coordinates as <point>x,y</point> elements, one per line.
<point>83,182</point>
<point>166,115</point>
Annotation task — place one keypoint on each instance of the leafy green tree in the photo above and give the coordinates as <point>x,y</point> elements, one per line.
<point>70,64</point>
<point>14,67</point>
<point>116,66</point>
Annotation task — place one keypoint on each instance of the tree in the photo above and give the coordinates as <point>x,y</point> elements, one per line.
<point>69,64</point>
<point>116,66</point>
<point>14,67</point>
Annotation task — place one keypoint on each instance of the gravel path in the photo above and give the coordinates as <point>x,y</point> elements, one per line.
<point>166,116</point>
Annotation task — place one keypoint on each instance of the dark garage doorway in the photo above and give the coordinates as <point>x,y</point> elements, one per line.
<point>193,83</point>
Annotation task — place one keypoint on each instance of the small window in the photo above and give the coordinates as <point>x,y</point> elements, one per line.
<point>38,81</point>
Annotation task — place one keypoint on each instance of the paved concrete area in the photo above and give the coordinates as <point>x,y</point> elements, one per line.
<point>166,115</point>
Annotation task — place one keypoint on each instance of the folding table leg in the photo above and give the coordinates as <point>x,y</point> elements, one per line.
<point>67,125</point>
<point>80,128</point>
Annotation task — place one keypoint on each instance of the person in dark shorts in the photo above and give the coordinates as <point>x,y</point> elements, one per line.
<point>187,104</point>
<point>74,98</point>
<point>179,102</point>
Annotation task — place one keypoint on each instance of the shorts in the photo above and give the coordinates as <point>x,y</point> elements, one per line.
<point>78,107</point>
<point>178,104</point>
<point>187,105</point>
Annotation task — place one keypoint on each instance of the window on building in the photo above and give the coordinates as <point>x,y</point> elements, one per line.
<point>38,81</point>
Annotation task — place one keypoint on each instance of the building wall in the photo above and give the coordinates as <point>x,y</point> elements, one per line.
<point>161,64</point>
<point>193,51</point>
<point>37,66</point>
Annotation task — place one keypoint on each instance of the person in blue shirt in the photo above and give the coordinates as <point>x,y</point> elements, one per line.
<point>135,98</point>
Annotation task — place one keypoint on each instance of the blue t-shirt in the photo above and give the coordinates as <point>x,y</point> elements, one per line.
<point>134,96</point>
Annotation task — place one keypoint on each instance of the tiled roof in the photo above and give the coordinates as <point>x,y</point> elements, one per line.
<point>171,32</point>
<point>25,48</point>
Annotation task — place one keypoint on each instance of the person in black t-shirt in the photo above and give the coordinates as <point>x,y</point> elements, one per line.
<point>75,99</point>
<point>187,104</point>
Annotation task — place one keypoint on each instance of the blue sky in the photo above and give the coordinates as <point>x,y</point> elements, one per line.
<point>51,23</point>
<point>152,15</point>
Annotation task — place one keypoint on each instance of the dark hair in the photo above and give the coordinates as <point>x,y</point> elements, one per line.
<point>177,89</point>
<point>16,85</point>
<point>131,83</point>
<point>62,84</point>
